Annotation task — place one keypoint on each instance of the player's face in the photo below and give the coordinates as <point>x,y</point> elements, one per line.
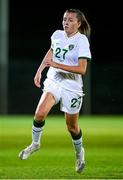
<point>70,23</point>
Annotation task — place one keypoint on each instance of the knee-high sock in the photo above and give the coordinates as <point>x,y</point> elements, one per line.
<point>37,129</point>
<point>77,145</point>
<point>77,142</point>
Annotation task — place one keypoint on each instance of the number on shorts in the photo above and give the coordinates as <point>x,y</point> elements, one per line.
<point>75,102</point>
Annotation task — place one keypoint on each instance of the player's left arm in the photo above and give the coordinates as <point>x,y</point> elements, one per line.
<point>79,69</point>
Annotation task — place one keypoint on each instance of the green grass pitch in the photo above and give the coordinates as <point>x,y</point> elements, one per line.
<point>102,138</point>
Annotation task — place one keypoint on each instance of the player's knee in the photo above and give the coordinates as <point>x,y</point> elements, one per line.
<point>40,116</point>
<point>72,130</point>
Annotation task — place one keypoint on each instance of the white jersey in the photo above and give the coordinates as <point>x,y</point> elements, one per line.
<point>67,51</point>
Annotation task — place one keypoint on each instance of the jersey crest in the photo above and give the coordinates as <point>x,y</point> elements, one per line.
<point>71,46</point>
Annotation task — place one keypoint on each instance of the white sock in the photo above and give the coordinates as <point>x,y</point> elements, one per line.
<point>77,145</point>
<point>36,134</point>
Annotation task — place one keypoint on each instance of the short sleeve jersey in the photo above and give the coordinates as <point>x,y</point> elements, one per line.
<point>68,51</point>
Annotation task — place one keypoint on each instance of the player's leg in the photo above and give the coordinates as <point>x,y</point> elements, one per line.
<point>76,134</point>
<point>71,105</point>
<point>45,104</point>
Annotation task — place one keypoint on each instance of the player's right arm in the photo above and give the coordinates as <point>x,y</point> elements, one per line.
<point>37,77</point>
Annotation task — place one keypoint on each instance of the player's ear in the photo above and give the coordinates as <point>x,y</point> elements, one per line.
<point>79,24</point>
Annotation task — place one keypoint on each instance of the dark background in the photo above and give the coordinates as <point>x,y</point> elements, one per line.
<point>30,28</point>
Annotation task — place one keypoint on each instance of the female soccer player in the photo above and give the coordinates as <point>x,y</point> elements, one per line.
<point>67,60</point>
